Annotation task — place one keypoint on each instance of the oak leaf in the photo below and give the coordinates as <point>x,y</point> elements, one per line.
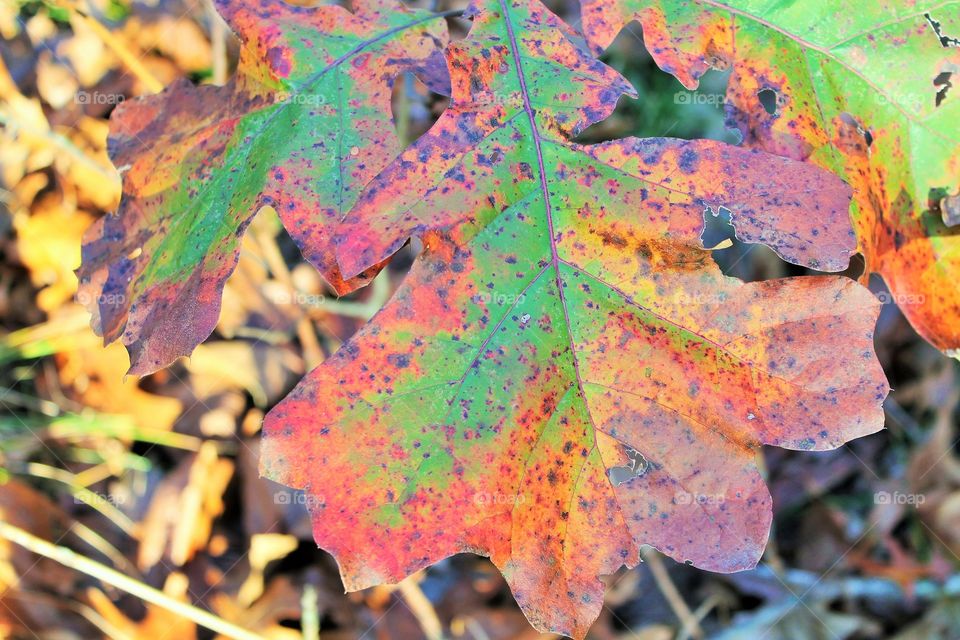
<point>864,92</point>
<point>302,127</point>
<point>566,374</point>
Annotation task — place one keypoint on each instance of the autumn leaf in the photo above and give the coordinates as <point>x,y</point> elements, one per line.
<point>303,126</point>
<point>864,92</point>
<point>566,374</point>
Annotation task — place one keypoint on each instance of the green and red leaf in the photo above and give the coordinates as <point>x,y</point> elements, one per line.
<point>863,91</point>
<point>566,374</point>
<point>302,127</point>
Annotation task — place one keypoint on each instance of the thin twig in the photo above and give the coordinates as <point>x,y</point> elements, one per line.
<point>101,544</point>
<point>701,613</point>
<point>421,608</point>
<point>218,44</point>
<point>69,558</point>
<point>771,553</point>
<point>129,60</point>
<point>689,622</point>
<point>91,499</point>
<point>56,141</point>
<point>87,425</point>
<point>89,613</point>
<point>312,352</point>
<point>379,294</point>
<point>310,613</point>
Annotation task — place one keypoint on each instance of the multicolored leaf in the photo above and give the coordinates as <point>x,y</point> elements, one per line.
<point>303,126</point>
<point>862,90</point>
<point>566,374</point>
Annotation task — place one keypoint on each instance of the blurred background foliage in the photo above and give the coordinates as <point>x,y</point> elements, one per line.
<point>157,477</point>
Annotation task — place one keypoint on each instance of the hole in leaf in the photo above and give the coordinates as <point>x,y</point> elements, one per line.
<point>414,107</point>
<point>717,228</point>
<point>943,84</point>
<point>743,260</point>
<point>751,262</point>
<point>768,98</point>
<point>636,466</point>
<point>945,41</point>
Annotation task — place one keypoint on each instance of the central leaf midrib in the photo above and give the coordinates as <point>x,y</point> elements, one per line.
<point>537,144</point>
<point>555,259</point>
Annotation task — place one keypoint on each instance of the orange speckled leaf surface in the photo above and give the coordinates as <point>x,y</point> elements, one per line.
<point>865,90</point>
<point>303,126</point>
<point>566,374</point>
